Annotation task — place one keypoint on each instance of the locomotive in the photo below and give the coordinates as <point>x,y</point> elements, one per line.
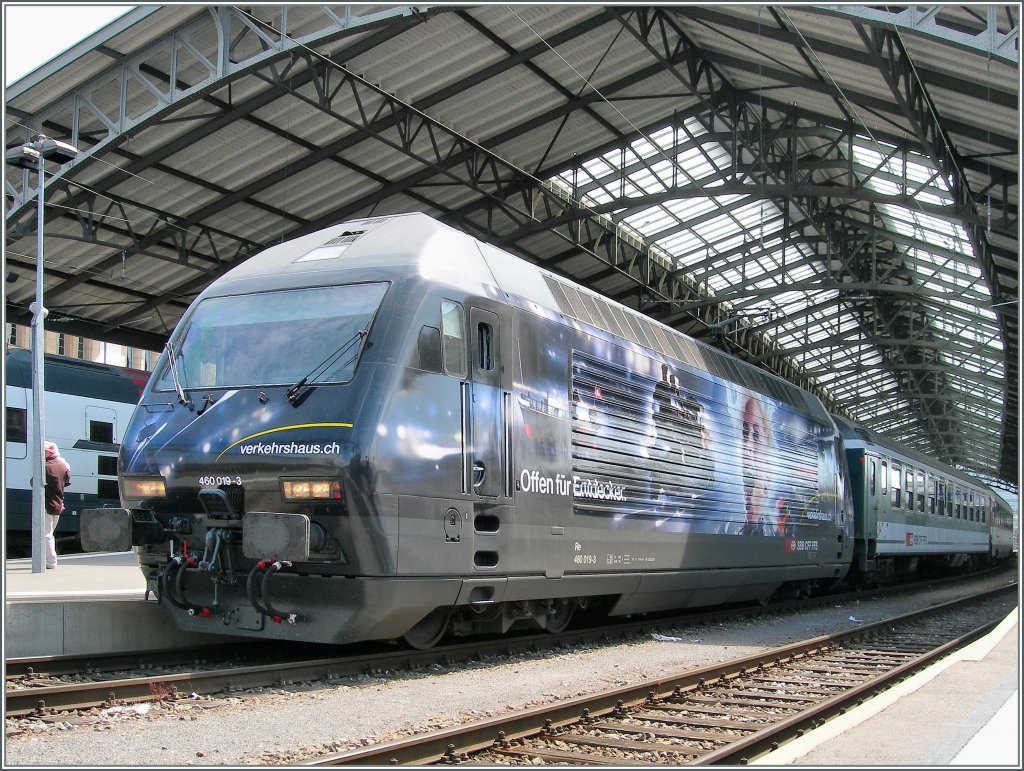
<point>88,406</point>
<point>388,429</point>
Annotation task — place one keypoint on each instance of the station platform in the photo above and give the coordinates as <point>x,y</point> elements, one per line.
<point>962,711</point>
<point>92,603</point>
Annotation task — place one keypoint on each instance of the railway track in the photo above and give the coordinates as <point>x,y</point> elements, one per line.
<point>46,686</point>
<point>725,714</point>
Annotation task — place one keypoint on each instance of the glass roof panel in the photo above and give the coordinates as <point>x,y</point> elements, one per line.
<point>739,247</point>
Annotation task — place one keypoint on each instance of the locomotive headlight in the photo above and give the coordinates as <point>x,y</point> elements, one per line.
<point>311,490</point>
<point>143,487</point>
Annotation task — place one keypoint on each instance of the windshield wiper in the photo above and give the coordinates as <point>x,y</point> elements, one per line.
<point>293,394</point>
<point>182,397</point>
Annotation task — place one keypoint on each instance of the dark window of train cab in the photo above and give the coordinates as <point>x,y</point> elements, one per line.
<point>453,338</point>
<point>872,483</point>
<point>428,349</point>
<point>17,429</point>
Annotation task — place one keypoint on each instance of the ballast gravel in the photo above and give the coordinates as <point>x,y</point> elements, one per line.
<point>280,726</point>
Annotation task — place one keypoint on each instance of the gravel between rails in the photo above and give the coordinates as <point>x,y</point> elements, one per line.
<point>281,726</point>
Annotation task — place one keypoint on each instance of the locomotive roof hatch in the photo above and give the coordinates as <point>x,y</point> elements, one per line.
<point>438,252</point>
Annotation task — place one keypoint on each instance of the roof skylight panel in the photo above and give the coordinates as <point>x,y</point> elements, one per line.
<point>642,148</point>
<point>686,242</point>
<point>648,181</point>
<point>715,229</point>
<point>598,167</point>
<point>689,208</point>
<point>598,197</point>
<point>718,282</point>
<point>668,137</point>
<point>680,243</point>
<point>696,164</point>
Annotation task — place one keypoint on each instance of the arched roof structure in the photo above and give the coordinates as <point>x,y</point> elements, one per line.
<point>830,192</point>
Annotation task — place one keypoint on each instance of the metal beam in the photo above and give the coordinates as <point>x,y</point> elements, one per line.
<point>926,20</point>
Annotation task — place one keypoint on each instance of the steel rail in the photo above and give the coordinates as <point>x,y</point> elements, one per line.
<point>45,698</point>
<point>453,744</point>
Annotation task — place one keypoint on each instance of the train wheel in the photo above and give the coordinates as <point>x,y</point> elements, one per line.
<point>428,632</point>
<point>560,616</point>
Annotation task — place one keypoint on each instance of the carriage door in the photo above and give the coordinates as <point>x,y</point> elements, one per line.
<point>485,452</point>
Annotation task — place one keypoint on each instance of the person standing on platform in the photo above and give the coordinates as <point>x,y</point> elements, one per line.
<point>58,476</point>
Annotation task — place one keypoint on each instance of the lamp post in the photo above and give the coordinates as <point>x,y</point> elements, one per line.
<point>33,155</point>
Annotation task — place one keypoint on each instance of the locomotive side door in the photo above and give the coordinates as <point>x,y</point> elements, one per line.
<point>484,471</point>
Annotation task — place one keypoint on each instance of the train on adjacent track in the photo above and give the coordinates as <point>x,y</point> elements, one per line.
<point>87,406</point>
<point>389,429</point>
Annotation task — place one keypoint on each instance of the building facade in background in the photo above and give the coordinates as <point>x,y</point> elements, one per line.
<point>77,347</point>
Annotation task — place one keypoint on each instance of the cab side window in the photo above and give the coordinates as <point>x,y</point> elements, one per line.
<point>428,349</point>
<point>453,338</point>
<point>485,347</point>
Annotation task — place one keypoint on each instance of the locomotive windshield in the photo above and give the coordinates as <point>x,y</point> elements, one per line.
<point>274,338</point>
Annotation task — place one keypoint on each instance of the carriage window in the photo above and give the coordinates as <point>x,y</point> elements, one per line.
<point>949,500</point>
<point>970,506</point>
<point>107,488</point>
<point>920,491</point>
<point>485,347</point>
<point>101,432</point>
<point>910,489</point>
<point>17,428</point>
<point>933,494</point>
<point>897,497</point>
<point>957,508</point>
<point>885,477</point>
<point>454,340</point>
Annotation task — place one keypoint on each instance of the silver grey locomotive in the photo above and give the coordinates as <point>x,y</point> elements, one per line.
<point>389,429</point>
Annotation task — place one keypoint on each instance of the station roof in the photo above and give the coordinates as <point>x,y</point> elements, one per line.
<point>830,192</point>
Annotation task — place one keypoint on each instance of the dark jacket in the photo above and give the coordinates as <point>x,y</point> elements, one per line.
<point>58,476</point>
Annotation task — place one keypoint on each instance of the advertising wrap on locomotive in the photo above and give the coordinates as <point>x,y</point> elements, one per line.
<point>389,429</point>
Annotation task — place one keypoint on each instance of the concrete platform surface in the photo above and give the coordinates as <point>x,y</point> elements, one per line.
<point>79,577</point>
<point>92,603</point>
<point>963,711</point>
